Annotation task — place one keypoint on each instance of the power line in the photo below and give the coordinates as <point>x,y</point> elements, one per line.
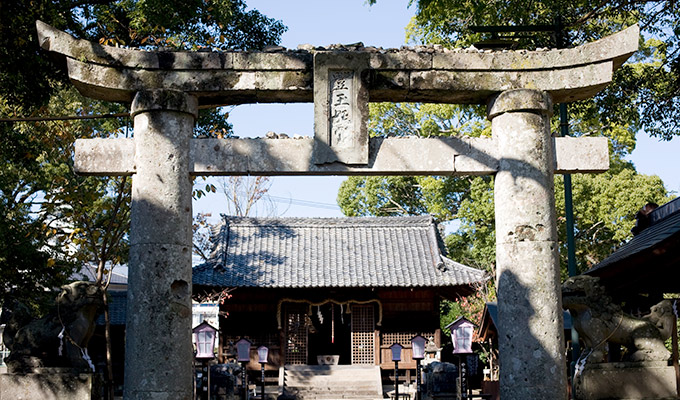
<point>64,118</point>
<point>304,203</point>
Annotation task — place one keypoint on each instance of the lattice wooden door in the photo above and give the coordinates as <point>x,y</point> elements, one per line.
<point>296,335</point>
<point>363,336</point>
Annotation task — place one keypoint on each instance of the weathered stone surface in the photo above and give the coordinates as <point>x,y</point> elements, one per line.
<point>599,321</point>
<point>158,353</point>
<point>531,343</point>
<point>576,155</point>
<point>403,75</point>
<point>120,84</point>
<point>387,156</point>
<point>617,47</point>
<point>340,108</point>
<point>440,379</point>
<point>268,61</point>
<point>35,342</point>
<point>634,381</point>
<point>476,157</point>
<point>401,60</point>
<point>104,156</point>
<point>163,100</point>
<point>568,84</point>
<point>50,384</point>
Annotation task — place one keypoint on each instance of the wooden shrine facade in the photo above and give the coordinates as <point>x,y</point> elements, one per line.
<point>339,290</point>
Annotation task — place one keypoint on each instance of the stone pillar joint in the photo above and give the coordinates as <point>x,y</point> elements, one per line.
<point>164,100</point>
<point>519,100</point>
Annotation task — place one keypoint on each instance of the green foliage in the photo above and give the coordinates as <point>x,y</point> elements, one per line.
<point>470,307</point>
<point>642,97</point>
<point>180,24</point>
<point>474,243</point>
<point>436,195</point>
<point>604,211</point>
<point>52,218</point>
<point>644,93</point>
<point>27,268</point>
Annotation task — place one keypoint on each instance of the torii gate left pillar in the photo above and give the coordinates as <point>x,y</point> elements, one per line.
<point>160,248</point>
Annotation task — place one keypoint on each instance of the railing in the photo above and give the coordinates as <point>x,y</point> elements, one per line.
<point>387,339</point>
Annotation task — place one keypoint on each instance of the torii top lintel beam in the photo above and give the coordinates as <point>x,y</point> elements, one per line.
<point>239,77</point>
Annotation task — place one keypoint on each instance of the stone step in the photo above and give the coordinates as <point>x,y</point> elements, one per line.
<point>331,396</point>
<point>322,380</point>
<point>333,385</point>
<point>333,382</point>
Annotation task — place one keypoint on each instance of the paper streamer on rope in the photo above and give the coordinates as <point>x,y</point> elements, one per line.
<point>581,364</point>
<point>61,340</point>
<point>332,323</point>
<point>86,357</point>
<point>675,308</point>
<point>317,304</point>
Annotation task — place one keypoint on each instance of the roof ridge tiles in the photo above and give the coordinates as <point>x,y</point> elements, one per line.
<point>424,220</point>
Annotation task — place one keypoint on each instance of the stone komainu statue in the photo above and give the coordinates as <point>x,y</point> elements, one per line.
<point>598,321</point>
<point>58,339</point>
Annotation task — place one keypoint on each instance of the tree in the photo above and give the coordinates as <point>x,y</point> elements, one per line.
<point>244,196</point>
<point>641,97</point>
<point>54,219</point>
<point>644,93</point>
<point>37,184</point>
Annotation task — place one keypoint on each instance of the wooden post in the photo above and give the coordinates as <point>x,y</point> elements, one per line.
<point>376,346</point>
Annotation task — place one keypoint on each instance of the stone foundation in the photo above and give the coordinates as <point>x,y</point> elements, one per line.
<point>626,380</point>
<point>50,384</point>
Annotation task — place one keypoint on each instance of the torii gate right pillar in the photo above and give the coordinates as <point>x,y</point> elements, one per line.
<point>531,345</point>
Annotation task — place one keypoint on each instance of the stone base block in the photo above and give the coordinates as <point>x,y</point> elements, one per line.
<point>50,384</point>
<point>626,380</point>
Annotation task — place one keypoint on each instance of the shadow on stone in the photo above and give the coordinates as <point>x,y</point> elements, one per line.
<point>528,326</point>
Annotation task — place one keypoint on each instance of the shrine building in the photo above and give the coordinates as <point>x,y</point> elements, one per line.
<point>331,290</point>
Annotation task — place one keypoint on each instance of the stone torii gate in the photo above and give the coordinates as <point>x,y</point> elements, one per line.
<point>166,89</point>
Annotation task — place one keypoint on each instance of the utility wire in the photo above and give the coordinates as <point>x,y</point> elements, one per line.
<point>64,118</point>
<point>304,203</point>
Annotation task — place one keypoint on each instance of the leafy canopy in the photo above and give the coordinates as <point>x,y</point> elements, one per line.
<point>53,220</point>
<point>641,98</point>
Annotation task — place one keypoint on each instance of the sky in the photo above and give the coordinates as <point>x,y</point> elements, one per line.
<point>321,23</point>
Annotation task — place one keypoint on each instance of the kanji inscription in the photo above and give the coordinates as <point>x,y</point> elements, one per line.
<point>341,118</point>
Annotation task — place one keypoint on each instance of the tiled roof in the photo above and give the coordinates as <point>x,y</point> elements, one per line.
<point>117,308</point>
<point>665,224</point>
<point>88,272</point>
<point>330,252</point>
